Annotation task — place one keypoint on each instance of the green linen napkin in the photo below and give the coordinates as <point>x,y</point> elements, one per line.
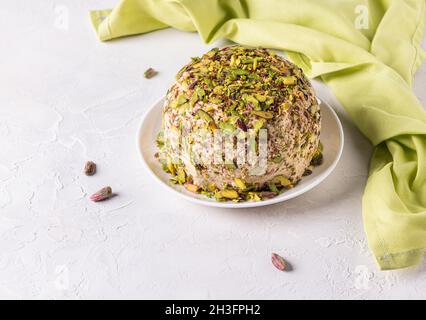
<point>366,51</point>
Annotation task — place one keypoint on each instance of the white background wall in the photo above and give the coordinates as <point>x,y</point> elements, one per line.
<point>66,98</point>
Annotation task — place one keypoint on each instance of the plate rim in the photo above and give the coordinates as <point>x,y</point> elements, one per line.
<point>245,204</point>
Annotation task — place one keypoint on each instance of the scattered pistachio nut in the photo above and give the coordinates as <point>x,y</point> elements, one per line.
<point>149,73</point>
<point>101,194</point>
<point>90,168</point>
<point>278,262</point>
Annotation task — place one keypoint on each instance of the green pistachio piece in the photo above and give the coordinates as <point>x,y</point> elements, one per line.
<point>173,104</point>
<point>160,139</point>
<point>181,71</point>
<point>227,126</point>
<point>255,64</point>
<point>274,68</point>
<point>193,100</point>
<point>263,114</point>
<point>209,83</point>
<point>285,106</point>
<point>288,80</point>
<point>314,109</point>
<point>181,175</point>
<point>218,90</point>
<point>184,106</point>
<point>269,101</point>
<point>192,187</point>
<point>239,72</point>
<point>208,108</point>
<point>253,196</point>
<point>205,116</point>
<point>227,193</point>
<point>258,124</point>
<point>240,183</point>
<point>185,84</point>
<point>181,99</point>
<point>232,119</point>
<point>215,100</point>
<point>277,159</point>
<point>212,52</point>
<point>170,166</point>
<point>282,180</point>
<point>272,187</point>
<point>230,166</point>
<point>251,99</point>
<point>200,92</point>
<point>260,97</point>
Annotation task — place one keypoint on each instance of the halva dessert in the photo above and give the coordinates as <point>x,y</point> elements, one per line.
<point>240,124</point>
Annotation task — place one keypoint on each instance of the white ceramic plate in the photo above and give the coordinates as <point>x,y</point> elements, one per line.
<point>331,138</point>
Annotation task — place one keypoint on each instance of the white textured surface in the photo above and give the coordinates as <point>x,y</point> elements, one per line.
<point>66,98</point>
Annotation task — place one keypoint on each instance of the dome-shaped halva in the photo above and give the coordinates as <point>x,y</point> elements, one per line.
<point>240,123</point>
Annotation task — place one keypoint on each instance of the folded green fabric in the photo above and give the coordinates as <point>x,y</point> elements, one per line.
<point>370,70</point>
